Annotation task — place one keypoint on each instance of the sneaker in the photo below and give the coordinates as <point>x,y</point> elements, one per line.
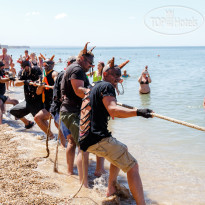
<point>30,125</point>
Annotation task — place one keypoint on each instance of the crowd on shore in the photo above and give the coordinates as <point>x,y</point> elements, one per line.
<point>81,110</point>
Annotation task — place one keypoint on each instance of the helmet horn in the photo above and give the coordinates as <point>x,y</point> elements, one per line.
<point>52,57</point>
<point>91,49</point>
<point>112,62</point>
<point>123,64</point>
<point>85,49</point>
<point>42,56</point>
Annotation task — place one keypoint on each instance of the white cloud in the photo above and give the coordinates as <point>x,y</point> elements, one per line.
<point>131,17</point>
<point>60,16</point>
<point>33,13</point>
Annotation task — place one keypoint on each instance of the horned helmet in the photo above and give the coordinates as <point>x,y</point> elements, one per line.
<point>116,68</point>
<point>87,54</point>
<point>116,71</point>
<point>48,63</point>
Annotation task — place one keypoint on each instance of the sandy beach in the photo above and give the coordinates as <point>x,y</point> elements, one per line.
<point>26,177</point>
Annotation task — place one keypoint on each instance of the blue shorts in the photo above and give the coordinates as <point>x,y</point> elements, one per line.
<point>64,129</point>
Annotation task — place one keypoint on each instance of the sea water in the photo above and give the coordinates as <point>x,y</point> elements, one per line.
<point>171,156</point>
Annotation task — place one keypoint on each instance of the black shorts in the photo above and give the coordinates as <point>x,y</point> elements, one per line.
<point>24,108</point>
<point>3,98</point>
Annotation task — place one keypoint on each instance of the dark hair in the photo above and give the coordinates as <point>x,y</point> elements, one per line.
<point>103,65</point>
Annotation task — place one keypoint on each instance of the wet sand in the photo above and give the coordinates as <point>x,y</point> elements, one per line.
<point>26,177</point>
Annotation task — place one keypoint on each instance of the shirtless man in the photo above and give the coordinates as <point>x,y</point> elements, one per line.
<point>7,60</point>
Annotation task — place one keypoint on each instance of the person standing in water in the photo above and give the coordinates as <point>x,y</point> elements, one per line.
<point>144,81</point>
<point>125,75</point>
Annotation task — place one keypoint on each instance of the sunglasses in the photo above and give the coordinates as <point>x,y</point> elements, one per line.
<point>91,63</point>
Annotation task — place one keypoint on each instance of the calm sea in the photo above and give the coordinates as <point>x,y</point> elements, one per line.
<point>171,157</point>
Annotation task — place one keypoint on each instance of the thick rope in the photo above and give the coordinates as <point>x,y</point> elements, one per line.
<point>38,84</point>
<point>48,132</point>
<point>168,118</point>
<point>55,168</point>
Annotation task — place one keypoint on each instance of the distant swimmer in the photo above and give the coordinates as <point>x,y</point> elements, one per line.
<point>204,103</point>
<point>158,55</point>
<point>125,75</point>
<point>59,60</point>
<point>144,81</point>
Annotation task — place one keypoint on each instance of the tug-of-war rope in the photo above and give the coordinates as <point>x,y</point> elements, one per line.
<point>167,118</point>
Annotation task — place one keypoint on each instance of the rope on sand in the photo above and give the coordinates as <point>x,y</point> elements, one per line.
<point>48,131</point>
<point>168,118</point>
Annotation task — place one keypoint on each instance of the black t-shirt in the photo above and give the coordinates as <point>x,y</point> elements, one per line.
<point>29,90</point>
<point>99,115</point>
<point>49,92</point>
<point>2,85</point>
<point>71,102</point>
<point>56,103</point>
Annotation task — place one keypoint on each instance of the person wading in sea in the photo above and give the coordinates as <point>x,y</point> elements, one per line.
<point>144,81</point>
<point>95,137</point>
<point>33,102</point>
<point>49,77</point>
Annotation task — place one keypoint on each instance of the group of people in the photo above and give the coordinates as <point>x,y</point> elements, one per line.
<point>82,111</point>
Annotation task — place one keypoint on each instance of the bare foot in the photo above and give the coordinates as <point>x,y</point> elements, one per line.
<point>111,190</point>
<point>70,173</point>
<point>99,173</point>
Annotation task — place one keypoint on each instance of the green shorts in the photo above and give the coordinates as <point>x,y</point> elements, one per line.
<point>115,152</point>
<point>71,121</point>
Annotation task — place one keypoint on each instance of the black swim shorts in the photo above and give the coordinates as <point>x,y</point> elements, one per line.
<point>3,98</point>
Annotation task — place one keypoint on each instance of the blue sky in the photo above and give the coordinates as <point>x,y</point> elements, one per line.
<point>103,23</point>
